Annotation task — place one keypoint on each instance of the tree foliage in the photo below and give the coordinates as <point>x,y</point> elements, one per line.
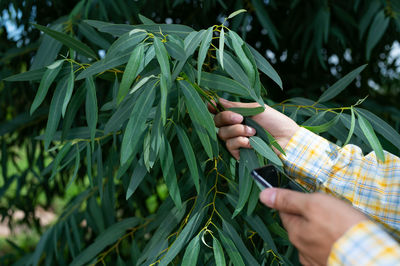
<point>116,102</point>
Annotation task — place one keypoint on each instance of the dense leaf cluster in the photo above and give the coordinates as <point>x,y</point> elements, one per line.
<point>116,102</point>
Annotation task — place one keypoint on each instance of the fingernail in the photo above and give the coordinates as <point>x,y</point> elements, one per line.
<point>268,197</point>
<point>250,130</point>
<point>236,118</point>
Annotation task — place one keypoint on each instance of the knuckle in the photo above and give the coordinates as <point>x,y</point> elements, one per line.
<point>222,133</point>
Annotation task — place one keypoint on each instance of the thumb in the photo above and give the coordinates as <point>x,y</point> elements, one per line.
<point>284,200</point>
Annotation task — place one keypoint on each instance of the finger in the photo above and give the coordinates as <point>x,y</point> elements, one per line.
<point>228,104</point>
<point>227,118</point>
<point>234,131</point>
<point>237,143</point>
<point>285,200</point>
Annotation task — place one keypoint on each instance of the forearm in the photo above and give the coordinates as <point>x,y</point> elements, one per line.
<point>372,187</point>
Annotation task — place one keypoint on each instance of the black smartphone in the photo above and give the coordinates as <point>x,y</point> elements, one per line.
<point>269,176</point>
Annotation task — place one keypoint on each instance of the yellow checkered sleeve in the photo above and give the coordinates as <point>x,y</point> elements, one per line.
<point>370,185</point>
<point>365,244</point>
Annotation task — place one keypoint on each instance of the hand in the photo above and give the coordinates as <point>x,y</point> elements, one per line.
<point>281,127</point>
<point>314,221</point>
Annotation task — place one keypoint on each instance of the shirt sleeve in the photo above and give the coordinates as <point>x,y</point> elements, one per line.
<point>370,185</point>
<point>366,243</point>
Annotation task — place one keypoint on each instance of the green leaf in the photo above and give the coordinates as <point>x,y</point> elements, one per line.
<point>189,156</point>
<point>221,83</point>
<point>60,155</point>
<point>47,80</point>
<point>91,107</point>
<point>140,83</point>
<point>192,252</point>
<point>381,127</point>
<point>266,67</point>
<point>131,72</point>
<point>231,249</point>
<point>237,43</point>
<point>175,50</point>
<point>218,253</point>
<point>376,31</point>
<point>221,48</point>
<point>31,75</point>
<point>262,148</point>
<point>136,124</point>
<point>239,243</point>
<point>49,48</point>
<point>162,58</point>
<point>247,111</point>
<point>365,21</point>
<point>197,109</point>
<point>108,237</point>
<point>120,29</point>
<point>163,100</point>
<point>340,85</point>
<point>259,226</point>
<point>68,41</point>
<point>205,44</point>
<point>352,126</point>
<point>265,21</point>
<point>204,139</point>
<point>237,12</point>
<point>111,62</point>
<point>126,43</point>
<point>69,91</point>
<point>137,177</point>
<point>145,20</point>
<point>76,167</point>
<point>55,112</point>
<point>100,170</point>
<point>93,36</point>
<point>89,163</point>
<point>371,137</point>
<point>324,127</point>
<point>168,169</point>
<point>236,72</point>
<point>182,239</point>
<point>245,181</point>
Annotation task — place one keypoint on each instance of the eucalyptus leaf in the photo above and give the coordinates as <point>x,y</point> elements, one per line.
<point>371,137</point>
<point>340,85</point>
<point>68,41</point>
<point>48,78</point>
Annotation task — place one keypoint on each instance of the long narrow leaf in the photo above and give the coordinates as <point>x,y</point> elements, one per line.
<point>47,80</point>
<point>68,41</point>
<point>189,156</point>
<point>131,71</point>
<point>205,44</point>
<point>340,85</point>
<point>371,137</point>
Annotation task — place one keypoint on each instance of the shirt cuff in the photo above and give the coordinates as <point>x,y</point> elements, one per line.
<point>366,243</point>
<point>300,160</point>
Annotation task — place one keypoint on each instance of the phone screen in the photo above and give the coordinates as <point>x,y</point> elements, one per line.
<point>269,176</point>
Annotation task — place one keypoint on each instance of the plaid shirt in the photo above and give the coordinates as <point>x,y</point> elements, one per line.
<point>371,186</point>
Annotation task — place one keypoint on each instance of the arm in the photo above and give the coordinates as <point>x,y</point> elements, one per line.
<point>371,186</point>
<point>326,230</point>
